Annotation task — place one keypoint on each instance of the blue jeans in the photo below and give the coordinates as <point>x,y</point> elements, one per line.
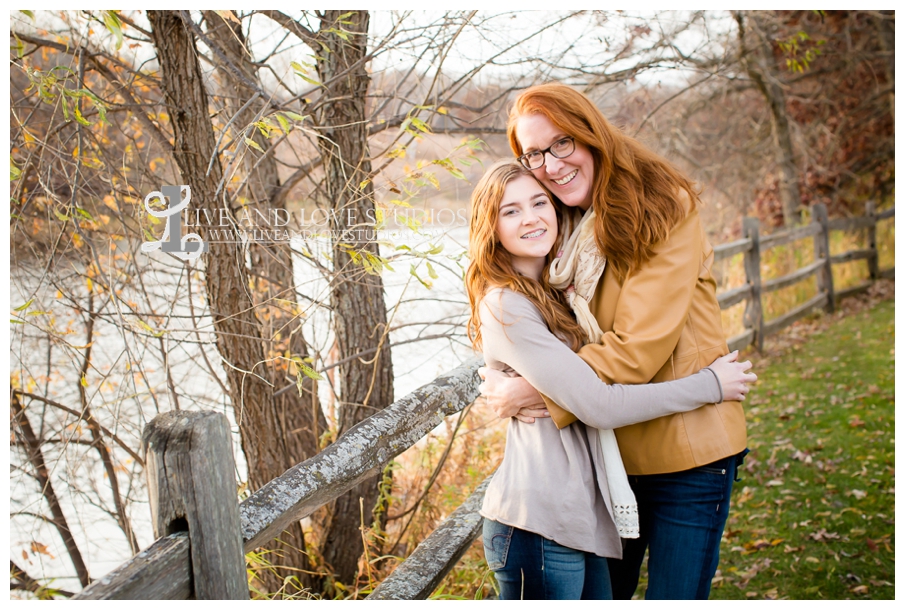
<point>682,515</point>
<point>528,566</point>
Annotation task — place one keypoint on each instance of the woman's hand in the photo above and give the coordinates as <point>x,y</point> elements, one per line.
<point>511,396</point>
<point>733,378</point>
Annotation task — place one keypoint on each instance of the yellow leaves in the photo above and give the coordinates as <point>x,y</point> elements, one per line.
<point>301,72</point>
<point>413,271</point>
<point>24,305</point>
<point>294,115</point>
<point>301,370</point>
<point>110,201</point>
<point>145,326</point>
<point>285,127</point>
<point>756,545</point>
<point>111,20</point>
<point>228,16</point>
<point>397,153</point>
<point>414,126</point>
<point>253,144</point>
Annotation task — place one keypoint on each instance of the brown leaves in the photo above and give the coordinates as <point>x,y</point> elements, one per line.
<point>822,535</point>
<point>37,547</point>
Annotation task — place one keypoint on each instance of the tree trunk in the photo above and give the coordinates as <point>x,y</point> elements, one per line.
<point>276,431</point>
<point>886,33</point>
<point>759,65</point>
<point>358,303</point>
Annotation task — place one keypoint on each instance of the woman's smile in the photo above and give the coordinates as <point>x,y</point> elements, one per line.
<point>571,178</point>
<point>567,179</point>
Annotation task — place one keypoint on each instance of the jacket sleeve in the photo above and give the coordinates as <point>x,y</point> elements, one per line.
<point>514,332</point>
<point>651,312</point>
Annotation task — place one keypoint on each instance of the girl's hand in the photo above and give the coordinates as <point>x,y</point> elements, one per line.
<point>732,376</point>
<point>509,396</point>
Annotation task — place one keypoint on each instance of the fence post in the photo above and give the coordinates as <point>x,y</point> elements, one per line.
<point>754,314</point>
<point>873,263</point>
<point>822,250</point>
<point>192,487</point>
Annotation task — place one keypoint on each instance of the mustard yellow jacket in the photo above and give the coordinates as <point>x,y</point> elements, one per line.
<point>662,322</point>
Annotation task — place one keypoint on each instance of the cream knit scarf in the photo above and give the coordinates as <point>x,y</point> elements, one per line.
<point>577,270</point>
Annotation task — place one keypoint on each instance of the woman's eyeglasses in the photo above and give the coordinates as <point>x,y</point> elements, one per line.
<point>559,149</point>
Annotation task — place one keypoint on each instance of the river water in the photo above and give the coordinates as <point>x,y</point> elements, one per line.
<point>124,396</point>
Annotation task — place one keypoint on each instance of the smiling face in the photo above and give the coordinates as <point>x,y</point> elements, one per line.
<point>570,179</point>
<point>526,226</point>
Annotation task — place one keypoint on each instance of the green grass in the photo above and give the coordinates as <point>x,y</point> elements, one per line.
<point>814,514</point>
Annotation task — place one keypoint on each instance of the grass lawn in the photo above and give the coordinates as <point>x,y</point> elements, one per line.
<point>814,514</point>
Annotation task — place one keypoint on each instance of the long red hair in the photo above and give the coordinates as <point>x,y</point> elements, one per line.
<point>636,193</point>
<point>491,264</point>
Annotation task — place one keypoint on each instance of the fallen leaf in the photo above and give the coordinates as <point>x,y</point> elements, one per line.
<point>37,547</point>
<point>822,535</point>
<point>871,544</point>
<point>860,589</point>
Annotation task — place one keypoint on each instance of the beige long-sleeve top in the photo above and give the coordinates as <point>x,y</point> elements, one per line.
<point>553,482</point>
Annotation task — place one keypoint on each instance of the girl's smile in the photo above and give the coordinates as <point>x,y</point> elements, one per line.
<point>526,225</point>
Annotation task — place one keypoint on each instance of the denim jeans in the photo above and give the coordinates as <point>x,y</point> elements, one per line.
<point>529,566</point>
<point>682,515</point>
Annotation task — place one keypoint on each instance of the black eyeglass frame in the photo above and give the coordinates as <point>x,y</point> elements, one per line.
<point>523,159</point>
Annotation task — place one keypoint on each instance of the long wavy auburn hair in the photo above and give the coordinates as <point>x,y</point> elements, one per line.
<point>635,193</point>
<point>491,264</point>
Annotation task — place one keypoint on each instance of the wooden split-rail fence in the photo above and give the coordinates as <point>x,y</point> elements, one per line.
<point>203,533</point>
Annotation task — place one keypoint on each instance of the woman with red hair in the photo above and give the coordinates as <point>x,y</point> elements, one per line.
<point>654,317</point>
<point>540,544</point>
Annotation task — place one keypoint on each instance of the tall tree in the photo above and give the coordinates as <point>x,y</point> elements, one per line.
<point>359,310</point>
<point>277,430</point>
<point>756,54</point>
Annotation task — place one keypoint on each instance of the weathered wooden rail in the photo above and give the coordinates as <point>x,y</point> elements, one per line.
<point>753,245</point>
<point>169,568</point>
<point>203,533</point>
